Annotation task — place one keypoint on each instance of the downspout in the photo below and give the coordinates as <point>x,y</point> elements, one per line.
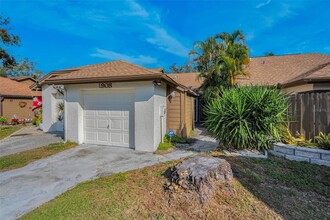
<point>1,106</point>
<point>65,115</point>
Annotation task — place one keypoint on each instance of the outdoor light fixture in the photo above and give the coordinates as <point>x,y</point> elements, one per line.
<point>171,96</point>
<point>157,82</point>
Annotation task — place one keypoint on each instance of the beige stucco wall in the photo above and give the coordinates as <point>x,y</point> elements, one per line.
<point>296,89</point>
<point>306,88</point>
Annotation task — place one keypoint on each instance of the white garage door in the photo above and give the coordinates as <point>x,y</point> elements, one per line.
<point>108,118</point>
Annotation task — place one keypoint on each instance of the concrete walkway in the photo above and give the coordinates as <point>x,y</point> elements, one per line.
<point>24,189</point>
<point>201,141</point>
<point>27,138</point>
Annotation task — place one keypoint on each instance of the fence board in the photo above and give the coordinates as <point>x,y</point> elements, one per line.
<point>309,113</point>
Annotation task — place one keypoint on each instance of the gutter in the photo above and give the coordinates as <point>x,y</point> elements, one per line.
<point>305,81</point>
<point>15,96</point>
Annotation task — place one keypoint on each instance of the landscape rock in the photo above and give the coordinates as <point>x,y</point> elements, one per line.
<point>201,174</point>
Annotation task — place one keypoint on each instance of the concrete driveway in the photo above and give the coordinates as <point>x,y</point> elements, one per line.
<point>24,189</point>
<point>27,138</point>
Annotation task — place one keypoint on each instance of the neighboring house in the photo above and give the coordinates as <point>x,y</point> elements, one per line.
<point>304,76</point>
<point>16,99</point>
<point>292,73</point>
<point>116,103</point>
<point>24,79</point>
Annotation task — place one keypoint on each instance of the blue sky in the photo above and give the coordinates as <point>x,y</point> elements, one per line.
<point>62,34</point>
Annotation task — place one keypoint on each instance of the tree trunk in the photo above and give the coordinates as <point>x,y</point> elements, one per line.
<point>202,174</point>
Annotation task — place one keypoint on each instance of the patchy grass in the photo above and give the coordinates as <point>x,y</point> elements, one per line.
<point>265,189</point>
<point>8,130</point>
<point>14,161</point>
<point>165,146</point>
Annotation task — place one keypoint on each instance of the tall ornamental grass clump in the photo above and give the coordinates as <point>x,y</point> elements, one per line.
<point>247,117</point>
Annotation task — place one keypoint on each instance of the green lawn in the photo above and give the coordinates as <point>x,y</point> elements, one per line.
<point>14,161</point>
<point>8,130</point>
<point>265,189</point>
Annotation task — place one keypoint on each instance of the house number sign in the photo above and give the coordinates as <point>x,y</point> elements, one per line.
<point>105,85</point>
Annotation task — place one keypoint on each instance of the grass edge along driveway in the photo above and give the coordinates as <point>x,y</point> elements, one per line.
<point>21,159</point>
<point>8,130</point>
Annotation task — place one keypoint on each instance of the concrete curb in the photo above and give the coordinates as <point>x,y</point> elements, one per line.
<point>310,155</point>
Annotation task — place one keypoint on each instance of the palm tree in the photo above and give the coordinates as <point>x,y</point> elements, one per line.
<point>235,53</point>
<point>220,59</point>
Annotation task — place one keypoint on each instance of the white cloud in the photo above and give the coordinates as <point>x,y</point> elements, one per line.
<point>166,42</point>
<point>111,55</point>
<point>285,11</point>
<point>136,10</point>
<point>263,4</point>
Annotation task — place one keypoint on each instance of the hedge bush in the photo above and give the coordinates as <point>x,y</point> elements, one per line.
<point>323,141</point>
<point>247,117</point>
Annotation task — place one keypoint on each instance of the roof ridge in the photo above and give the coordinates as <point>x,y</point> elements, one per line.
<point>293,54</point>
<point>103,63</point>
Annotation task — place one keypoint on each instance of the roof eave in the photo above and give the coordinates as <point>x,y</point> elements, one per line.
<point>16,96</point>
<point>305,81</point>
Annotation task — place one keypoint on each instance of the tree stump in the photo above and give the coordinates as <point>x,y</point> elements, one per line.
<point>201,174</point>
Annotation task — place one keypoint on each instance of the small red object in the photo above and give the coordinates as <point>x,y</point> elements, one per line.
<point>37,102</point>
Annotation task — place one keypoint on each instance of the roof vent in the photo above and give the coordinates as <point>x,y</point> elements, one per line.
<point>263,62</point>
<point>175,77</point>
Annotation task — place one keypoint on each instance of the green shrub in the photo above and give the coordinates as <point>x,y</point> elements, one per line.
<point>247,117</point>
<point>36,121</point>
<point>300,140</point>
<point>3,120</point>
<point>175,139</point>
<point>323,141</point>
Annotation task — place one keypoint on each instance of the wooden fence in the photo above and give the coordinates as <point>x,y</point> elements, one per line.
<point>309,113</point>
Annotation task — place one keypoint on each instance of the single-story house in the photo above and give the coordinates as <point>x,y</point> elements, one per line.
<point>306,77</point>
<point>116,103</point>
<point>16,99</point>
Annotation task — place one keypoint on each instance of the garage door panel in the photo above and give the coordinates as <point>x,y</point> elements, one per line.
<point>103,137</point>
<point>107,118</point>
<point>90,123</point>
<point>90,113</point>
<point>126,124</point>
<point>115,113</point>
<point>90,136</point>
<point>116,124</point>
<point>125,138</point>
<point>126,113</point>
<point>116,138</point>
<point>102,123</point>
<point>103,113</point>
